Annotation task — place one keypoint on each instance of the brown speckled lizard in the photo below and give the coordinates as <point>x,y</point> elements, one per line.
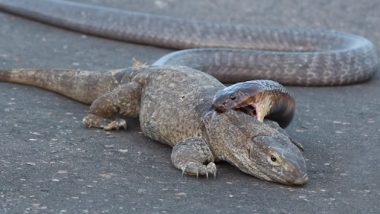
<point>174,106</point>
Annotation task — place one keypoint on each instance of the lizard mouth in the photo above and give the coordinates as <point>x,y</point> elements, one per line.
<point>299,181</point>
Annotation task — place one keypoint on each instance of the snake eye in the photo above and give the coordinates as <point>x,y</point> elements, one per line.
<point>233,97</point>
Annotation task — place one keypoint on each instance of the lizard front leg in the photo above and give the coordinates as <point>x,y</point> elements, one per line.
<point>104,111</point>
<point>194,157</point>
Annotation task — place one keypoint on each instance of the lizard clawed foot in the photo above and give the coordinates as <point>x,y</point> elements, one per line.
<point>116,125</point>
<point>94,121</point>
<point>193,157</point>
<point>198,169</point>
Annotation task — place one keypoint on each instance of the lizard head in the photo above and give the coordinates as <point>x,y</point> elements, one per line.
<point>258,149</point>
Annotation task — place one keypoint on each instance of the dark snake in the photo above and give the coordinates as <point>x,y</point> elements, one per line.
<point>231,53</point>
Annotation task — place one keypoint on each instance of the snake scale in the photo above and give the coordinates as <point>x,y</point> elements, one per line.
<point>231,53</point>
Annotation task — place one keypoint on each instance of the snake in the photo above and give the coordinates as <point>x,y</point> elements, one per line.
<point>260,98</point>
<point>229,52</point>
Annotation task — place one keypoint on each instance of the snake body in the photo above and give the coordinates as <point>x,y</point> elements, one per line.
<point>231,53</point>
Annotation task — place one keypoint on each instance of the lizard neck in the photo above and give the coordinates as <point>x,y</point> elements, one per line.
<point>217,148</point>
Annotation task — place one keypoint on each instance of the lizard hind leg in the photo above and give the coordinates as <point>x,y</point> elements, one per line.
<point>105,110</point>
<point>194,157</point>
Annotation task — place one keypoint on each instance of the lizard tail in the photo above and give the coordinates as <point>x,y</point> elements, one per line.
<point>82,86</point>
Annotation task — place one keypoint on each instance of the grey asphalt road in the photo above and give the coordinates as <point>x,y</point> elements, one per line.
<point>49,163</point>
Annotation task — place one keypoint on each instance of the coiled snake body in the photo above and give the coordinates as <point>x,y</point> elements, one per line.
<point>231,53</point>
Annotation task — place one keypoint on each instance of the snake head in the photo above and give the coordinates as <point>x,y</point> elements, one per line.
<point>231,97</point>
<point>260,98</point>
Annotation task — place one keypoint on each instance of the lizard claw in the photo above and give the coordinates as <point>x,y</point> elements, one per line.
<point>94,121</point>
<point>198,169</point>
<point>211,168</point>
<point>116,124</point>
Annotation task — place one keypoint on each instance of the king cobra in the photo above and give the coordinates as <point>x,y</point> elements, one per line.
<point>231,53</point>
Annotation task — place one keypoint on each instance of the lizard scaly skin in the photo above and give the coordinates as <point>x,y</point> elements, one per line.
<point>174,106</point>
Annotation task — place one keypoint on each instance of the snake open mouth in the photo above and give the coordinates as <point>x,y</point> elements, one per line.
<point>250,110</point>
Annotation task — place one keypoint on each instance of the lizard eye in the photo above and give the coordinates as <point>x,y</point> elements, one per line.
<point>233,97</point>
<point>274,159</point>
